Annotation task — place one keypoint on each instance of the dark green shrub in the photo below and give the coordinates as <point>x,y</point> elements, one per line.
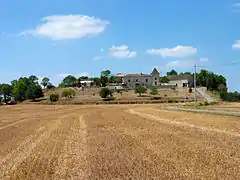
<point>230,97</point>
<point>156,98</point>
<point>154,91</point>
<point>206,103</point>
<point>105,92</point>
<point>54,97</point>
<point>140,90</point>
<point>170,101</point>
<point>190,90</point>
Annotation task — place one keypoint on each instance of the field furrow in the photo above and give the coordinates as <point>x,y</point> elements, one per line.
<point>116,142</point>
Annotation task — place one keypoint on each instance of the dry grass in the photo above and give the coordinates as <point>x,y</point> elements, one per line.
<point>116,142</point>
<point>92,94</point>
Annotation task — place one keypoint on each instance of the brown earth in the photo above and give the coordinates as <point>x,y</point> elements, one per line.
<point>92,94</point>
<point>116,142</point>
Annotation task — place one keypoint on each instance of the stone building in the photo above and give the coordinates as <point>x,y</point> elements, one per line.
<point>147,80</point>
<point>185,80</point>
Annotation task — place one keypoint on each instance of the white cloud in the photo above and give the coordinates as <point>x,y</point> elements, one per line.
<point>69,27</point>
<point>63,75</point>
<point>178,51</point>
<point>97,58</point>
<point>236,45</point>
<point>203,59</point>
<point>122,52</point>
<point>181,64</point>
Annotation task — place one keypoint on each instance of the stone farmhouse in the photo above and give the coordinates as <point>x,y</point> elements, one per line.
<point>147,80</point>
<point>185,80</point>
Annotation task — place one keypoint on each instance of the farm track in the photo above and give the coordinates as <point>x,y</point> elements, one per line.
<point>116,142</point>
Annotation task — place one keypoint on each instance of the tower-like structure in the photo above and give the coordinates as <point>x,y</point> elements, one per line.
<point>155,77</point>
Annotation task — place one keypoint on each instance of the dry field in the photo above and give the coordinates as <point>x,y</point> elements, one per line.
<point>116,142</point>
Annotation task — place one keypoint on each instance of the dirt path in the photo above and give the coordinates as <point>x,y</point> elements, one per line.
<point>117,142</point>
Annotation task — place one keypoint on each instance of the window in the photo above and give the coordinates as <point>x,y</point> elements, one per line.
<point>146,80</point>
<point>136,80</point>
<point>155,83</point>
<point>155,78</point>
<point>129,80</point>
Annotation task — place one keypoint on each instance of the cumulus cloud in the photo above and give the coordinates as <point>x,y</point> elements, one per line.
<point>236,45</point>
<point>178,51</point>
<point>122,52</point>
<point>64,27</point>
<point>181,64</point>
<point>186,63</point>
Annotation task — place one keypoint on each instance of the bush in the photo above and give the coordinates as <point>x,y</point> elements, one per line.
<point>105,92</point>
<point>140,90</point>
<point>54,97</point>
<point>68,93</point>
<point>156,98</point>
<point>153,91</point>
<point>206,103</point>
<point>190,90</point>
<point>170,101</point>
<point>230,97</point>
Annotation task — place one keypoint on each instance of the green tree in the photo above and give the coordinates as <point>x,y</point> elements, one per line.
<point>140,90</point>
<point>45,81</point>
<point>106,73</point>
<point>185,73</point>
<point>211,81</point>
<point>69,81</point>
<point>26,88</point>
<point>96,80</point>
<point>164,79</point>
<point>104,78</point>
<point>172,73</point>
<point>34,91</point>
<point>154,91</point>
<point>33,78</point>
<point>6,92</point>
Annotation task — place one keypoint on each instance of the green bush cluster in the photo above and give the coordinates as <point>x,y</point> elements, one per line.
<point>105,92</point>
<point>230,97</point>
<point>68,93</point>
<point>54,97</point>
<point>140,90</point>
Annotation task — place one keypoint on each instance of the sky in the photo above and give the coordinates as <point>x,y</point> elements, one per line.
<point>83,37</point>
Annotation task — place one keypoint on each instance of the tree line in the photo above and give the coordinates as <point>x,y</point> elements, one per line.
<point>29,87</point>
<point>22,89</point>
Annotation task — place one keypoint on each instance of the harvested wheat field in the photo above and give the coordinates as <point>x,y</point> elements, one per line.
<point>116,142</point>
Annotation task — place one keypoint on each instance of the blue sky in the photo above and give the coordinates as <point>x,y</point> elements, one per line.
<point>83,37</point>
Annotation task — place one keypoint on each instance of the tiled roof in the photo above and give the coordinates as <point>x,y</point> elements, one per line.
<point>155,71</point>
<point>181,77</point>
<point>137,75</point>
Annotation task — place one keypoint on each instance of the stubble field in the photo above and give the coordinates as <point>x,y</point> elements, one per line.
<point>116,142</point>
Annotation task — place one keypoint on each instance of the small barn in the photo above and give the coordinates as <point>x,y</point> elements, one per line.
<point>185,80</point>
